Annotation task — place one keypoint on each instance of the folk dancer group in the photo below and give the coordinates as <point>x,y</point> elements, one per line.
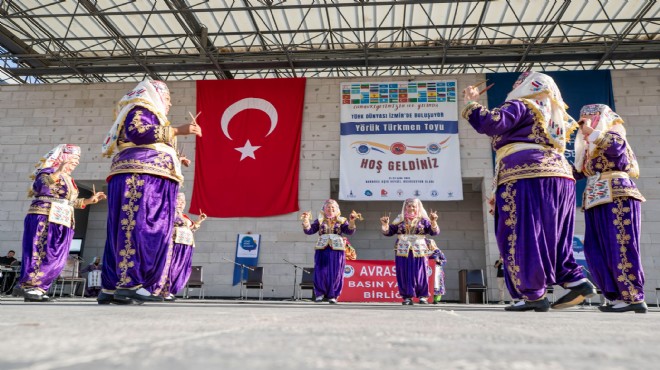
<point>534,197</point>
<point>141,255</point>
<point>148,249</point>
<point>412,250</point>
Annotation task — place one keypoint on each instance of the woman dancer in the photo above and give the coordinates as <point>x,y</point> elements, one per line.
<point>612,206</point>
<point>412,248</point>
<point>49,222</point>
<point>329,258</point>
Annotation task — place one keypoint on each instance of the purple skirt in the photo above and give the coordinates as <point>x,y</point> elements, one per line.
<point>181,267</point>
<point>534,221</point>
<point>328,272</point>
<point>611,247</point>
<point>45,250</point>
<point>411,276</point>
<point>139,230</point>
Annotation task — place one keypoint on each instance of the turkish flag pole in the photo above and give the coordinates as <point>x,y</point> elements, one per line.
<point>247,162</point>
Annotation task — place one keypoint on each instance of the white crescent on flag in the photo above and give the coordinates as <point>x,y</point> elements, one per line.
<point>248,103</point>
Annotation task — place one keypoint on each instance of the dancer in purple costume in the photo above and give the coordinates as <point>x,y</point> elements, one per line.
<point>412,248</point>
<point>329,258</point>
<point>49,222</point>
<point>534,191</point>
<point>612,208</point>
<point>182,252</point>
<point>142,186</point>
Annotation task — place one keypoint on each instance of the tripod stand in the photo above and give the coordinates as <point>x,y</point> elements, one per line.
<point>295,278</point>
<point>243,267</point>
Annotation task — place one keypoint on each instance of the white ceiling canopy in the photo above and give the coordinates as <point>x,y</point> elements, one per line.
<point>55,41</point>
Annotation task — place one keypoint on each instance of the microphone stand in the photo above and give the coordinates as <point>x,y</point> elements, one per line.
<point>295,278</point>
<point>243,267</point>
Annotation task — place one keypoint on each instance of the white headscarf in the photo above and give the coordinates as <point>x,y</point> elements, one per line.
<point>55,157</point>
<point>148,94</point>
<point>541,91</point>
<point>607,120</point>
<point>421,212</point>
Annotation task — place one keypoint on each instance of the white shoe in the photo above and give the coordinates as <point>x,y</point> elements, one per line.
<point>143,292</point>
<point>319,299</point>
<point>423,300</point>
<point>332,300</point>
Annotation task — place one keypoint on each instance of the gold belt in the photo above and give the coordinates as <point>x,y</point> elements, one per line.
<point>509,149</point>
<point>614,175</point>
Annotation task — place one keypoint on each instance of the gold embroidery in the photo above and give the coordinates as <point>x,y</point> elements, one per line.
<point>495,139</point>
<point>78,203</point>
<point>161,167</point>
<point>163,134</point>
<point>136,123</point>
<point>509,208</point>
<point>39,209</point>
<point>598,162</point>
<point>128,224</point>
<point>623,239</point>
<point>139,103</point>
<point>495,114</point>
<point>469,108</point>
<point>552,165</point>
<point>163,285</point>
<point>38,254</point>
<point>540,133</point>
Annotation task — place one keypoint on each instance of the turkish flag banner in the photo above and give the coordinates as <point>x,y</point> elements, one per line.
<point>248,158</point>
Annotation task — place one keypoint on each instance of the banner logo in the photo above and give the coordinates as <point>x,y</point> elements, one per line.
<point>348,271</point>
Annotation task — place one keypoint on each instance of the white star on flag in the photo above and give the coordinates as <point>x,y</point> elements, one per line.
<point>247,150</point>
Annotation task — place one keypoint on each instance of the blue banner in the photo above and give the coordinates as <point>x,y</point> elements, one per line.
<point>397,128</point>
<point>578,88</point>
<point>247,253</point>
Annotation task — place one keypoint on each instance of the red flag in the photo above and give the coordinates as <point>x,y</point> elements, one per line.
<point>248,159</point>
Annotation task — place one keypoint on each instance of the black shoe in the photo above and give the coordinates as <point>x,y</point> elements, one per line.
<point>17,291</point>
<point>130,294</point>
<point>29,296</point>
<point>576,296</point>
<point>105,298</point>
<point>407,302</point>
<point>542,305</point>
<point>634,307</point>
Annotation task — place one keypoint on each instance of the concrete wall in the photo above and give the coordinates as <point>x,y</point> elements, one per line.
<point>35,118</point>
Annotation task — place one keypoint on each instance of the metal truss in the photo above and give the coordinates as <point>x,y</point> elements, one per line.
<point>53,41</point>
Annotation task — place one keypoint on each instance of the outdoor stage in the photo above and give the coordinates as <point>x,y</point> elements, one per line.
<point>226,334</point>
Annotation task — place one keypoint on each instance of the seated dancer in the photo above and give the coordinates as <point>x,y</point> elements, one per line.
<point>329,258</point>
<point>412,248</point>
<point>182,252</point>
<point>534,191</point>
<point>143,185</point>
<point>49,222</point>
<point>612,208</point>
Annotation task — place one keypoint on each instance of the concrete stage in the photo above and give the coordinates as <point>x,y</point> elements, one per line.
<point>230,334</point>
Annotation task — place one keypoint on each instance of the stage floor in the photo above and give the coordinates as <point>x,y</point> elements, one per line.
<point>230,334</point>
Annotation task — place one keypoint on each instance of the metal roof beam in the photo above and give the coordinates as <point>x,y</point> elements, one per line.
<point>108,25</point>
<point>625,33</point>
<point>250,7</point>
<point>355,58</point>
<point>199,35</point>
